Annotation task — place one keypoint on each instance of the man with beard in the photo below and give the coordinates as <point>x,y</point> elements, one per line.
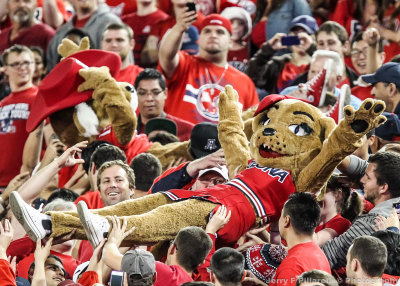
<point>194,82</point>
<point>118,38</point>
<point>381,185</point>
<point>91,17</point>
<point>25,30</point>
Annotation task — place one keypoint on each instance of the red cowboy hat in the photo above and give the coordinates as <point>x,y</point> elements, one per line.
<point>59,89</point>
<point>271,99</point>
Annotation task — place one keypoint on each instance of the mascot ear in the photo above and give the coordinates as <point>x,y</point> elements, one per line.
<point>86,120</point>
<point>327,125</point>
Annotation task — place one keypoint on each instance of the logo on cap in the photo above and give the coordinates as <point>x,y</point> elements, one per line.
<point>211,145</point>
<point>218,22</point>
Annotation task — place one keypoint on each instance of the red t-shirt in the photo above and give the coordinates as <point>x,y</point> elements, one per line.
<point>337,223</point>
<point>141,26</point>
<point>69,264</point>
<point>343,15</point>
<point>38,35</point>
<point>92,199</point>
<point>300,258</point>
<point>170,275</point>
<point>122,7</point>
<point>289,73</point>
<point>7,275</point>
<point>362,92</point>
<point>258,34</point>
<point>14,112</point>
<point>129,74</point>
<point>194,89</point>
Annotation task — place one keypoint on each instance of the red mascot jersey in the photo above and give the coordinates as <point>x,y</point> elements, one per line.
<point>257,191</point>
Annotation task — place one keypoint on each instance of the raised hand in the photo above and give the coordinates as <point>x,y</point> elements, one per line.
<point>67,159</point>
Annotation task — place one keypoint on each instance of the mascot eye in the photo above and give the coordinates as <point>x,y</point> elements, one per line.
<point>130,88</point>
<point>264,120</point>
<point>300,130</point>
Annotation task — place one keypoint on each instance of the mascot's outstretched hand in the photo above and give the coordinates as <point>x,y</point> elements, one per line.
<point>68,47</point>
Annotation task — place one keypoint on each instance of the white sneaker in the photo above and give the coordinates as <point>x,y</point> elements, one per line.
<point>96,227</point>
<point>30,218</point>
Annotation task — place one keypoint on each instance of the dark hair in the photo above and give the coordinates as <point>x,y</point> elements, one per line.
<point>32,267</point>
<point>392,243</point>
<point>387,171</point>
<point>333,27</point>
<point>193,245</point>
<point>228,265</point>
<point>63,193</point>
<point>88,151</point>
<point>358,37</point>
<point>120,26</point>
<point>164,138</point>
<point>18,49</point>
<point>107,153</point>
<point>372,254</point>
<point>349,204</point>
<point>40,51</point>
<point>304,212</point>
<point>151,74</point>
<point>316,276</point>
<point>146,167</point>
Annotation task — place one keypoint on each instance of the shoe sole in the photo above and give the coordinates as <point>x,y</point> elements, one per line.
<point>344,100</point>
<point>87,225</point>
<point>21,214</point>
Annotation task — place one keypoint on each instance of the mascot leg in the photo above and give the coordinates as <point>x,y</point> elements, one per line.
<point>64,222</point>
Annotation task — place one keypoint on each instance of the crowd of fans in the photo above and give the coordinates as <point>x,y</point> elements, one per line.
<point>179,57</point>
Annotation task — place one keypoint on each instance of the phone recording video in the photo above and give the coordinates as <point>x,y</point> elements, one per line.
<point>290,41</point>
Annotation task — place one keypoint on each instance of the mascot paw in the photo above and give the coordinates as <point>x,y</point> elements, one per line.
<point>94,78</point>
<point>228,102</point>
<point>68,47</point>
<point>367,117</point>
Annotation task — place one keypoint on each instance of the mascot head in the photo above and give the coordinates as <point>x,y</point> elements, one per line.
<point>288,133</point>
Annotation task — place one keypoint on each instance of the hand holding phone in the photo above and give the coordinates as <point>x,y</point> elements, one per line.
<point>396,206</point>
<point>116,278</point>
<point>191,6</point>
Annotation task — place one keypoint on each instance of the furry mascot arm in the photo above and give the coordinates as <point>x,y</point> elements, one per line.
<point>230,131</point>
<point>343,140</point>
<point>110,101</point>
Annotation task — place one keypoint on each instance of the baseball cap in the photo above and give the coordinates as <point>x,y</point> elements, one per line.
<point>204,139</point>
<point>164,124</point>
<point>189,43</point>
<point>217,20</point>
<point>138,262</point>
<point>239,13</point>
<point>390,130</point>
<point>389,72</point>
<point>223,171</point>
<point>306,22</point>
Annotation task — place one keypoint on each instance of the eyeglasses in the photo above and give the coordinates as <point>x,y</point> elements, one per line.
<point>154,92</point>
<point>357,53</point>
<point>18,65</point>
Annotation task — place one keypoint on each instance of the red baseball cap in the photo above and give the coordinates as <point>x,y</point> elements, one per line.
<point>217,20</point>
<point>59,89</point>
<point>271,99</point>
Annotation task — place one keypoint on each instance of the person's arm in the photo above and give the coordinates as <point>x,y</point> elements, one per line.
<point>95,267</point>
<point>149,54</point>
<point>3,9</point>
<point>336,249</point>
<point>7,275</point>
<point>172,42</point>
<point>372,37</point>
<point>41,254</point>
<point>32,149</point>
<point>324,235</point>
<point>52,16</point>
<point>111,255</point>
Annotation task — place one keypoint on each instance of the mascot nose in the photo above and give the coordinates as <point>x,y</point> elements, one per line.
<point>269,131</point>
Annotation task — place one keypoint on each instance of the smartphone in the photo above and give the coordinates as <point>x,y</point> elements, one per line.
<point>117,278</point>
<point>191,6</point>
<point>290,41</point>
<point>397,207</point>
